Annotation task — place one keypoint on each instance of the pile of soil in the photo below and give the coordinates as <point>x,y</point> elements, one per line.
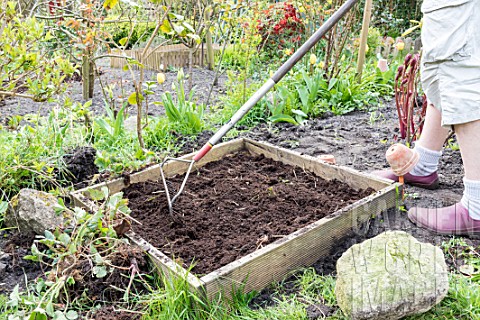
<point>232,207</point>
<point>80,167</point>
<point>111,288</point>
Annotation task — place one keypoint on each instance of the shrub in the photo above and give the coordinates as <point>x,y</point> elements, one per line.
<point>281,30</point>
<point>141,33</point>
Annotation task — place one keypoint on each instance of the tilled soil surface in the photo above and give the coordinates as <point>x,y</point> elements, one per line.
<point>232,207</point>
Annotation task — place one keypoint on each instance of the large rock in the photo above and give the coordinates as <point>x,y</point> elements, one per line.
<point>389,277</point>
<point>33,210</point>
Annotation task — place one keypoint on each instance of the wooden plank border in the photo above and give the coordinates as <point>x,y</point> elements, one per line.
<point>273,262</point>
<point>352,177</point>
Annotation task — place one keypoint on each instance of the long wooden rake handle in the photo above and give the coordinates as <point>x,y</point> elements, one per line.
<point>279,74</point>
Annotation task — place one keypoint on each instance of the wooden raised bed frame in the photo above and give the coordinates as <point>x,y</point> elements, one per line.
<point>273,262</point>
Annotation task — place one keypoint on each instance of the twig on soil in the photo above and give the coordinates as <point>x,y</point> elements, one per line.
<point>129,217</point>
<point>129,311</point>
<point>134,268</point>
<point>15,94</point>
<point>261,241</point>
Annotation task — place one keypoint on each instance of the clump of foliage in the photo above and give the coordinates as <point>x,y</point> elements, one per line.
<point>139,34</point>
<point>184,111</point>
<point>26,70</point>
<point>30,154</point>
<point>87,263</point>
<point>281,30</point>
<point>392,16</point>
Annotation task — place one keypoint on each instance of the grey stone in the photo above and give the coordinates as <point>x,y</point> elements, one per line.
<point>130,124</point>
<point>33,211</point>
<point>389,277</point>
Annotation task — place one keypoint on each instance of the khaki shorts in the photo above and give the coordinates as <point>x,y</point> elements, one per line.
<point>450,68</point>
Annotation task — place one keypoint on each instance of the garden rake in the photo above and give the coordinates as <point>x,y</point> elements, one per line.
<point>260,93</point>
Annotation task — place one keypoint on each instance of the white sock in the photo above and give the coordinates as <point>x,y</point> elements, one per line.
<point>427,163</point>
<point>471,198</point>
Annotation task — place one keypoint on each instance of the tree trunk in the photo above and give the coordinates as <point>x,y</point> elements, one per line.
<point>190,67</point>
<point>88,76</point>
<point>210,53</point>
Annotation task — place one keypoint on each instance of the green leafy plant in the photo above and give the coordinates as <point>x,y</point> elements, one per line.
<point>281,107</point>
<point>88,247</point>
<point>235,97</point>
<point>112,126</point>
<point>184,111</point>
<point>25,68</point>
<point>136,35</point>
<point>30,154</point>
<point>308,91</point>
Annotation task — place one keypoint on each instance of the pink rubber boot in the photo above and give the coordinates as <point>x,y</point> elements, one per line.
<point>453,220</point>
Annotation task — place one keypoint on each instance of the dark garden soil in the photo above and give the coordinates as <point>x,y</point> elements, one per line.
<point>13,268</point>
<point>232,207</point>
<point>110,313</point>
<point>79,167</point>
<point>122,86</point>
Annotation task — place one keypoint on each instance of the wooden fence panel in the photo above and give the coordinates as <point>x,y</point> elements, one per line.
<point>176,55</point>
<point>388,46</point>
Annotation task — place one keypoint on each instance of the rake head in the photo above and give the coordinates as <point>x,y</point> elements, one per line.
<point>170,199</point>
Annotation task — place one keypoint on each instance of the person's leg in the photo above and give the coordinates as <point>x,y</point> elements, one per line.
<point>468,135</point>
<point>433,134</point>
<point>464,217</point>
<point>430,144</point>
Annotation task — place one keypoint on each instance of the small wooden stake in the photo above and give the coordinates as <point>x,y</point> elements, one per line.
<point>363,39</point>
<point>402,182</point>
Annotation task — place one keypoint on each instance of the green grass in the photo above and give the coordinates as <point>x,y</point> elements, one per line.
<point>177,302</point>
<point>3,309</point>
<point>462,301</point>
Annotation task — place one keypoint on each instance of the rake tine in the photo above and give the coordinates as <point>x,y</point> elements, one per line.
<point>171,200</point>
<point>260,93</point>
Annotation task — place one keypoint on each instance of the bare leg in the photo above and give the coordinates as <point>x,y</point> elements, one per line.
<point>430,144</point>
<point>468,135</point>
<point>429,147</point>
<point>433,134</point>
<point>462,218</point>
